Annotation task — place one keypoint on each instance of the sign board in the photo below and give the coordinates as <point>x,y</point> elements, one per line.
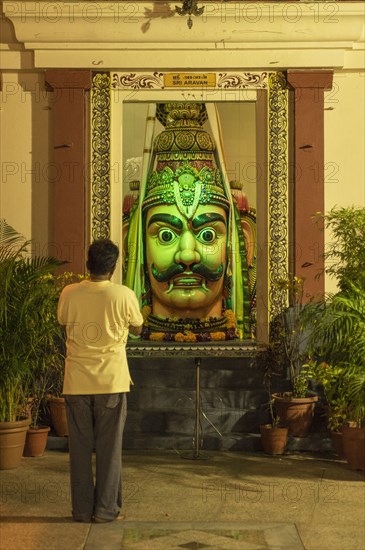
<point>189,80</point>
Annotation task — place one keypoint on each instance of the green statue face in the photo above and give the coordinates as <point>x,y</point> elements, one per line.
<point>186,260</point>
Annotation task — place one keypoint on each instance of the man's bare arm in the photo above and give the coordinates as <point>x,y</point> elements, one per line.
<point>136,331</point>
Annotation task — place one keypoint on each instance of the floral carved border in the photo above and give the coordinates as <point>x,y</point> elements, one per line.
<point>100,156</point>
<point>137,81</point>
<point>278,229</point>
<point>153,81</point>
<point>242,80</point>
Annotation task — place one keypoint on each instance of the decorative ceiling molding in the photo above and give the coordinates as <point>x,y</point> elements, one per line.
<point>122,34</point>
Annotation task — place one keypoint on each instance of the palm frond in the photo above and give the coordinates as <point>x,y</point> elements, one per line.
<point>12,243</point>
<point>9,235</point>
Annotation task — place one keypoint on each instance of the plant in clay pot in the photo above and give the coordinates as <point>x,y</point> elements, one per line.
<point>339,337</point>
<point>295,407</point>
<point>273,435</point>
<point>336,399</point>
<point>337,326</point>
<point>38,388</point>
<point>48,364</point>
<point>56,401</point>
<point>24,327</point>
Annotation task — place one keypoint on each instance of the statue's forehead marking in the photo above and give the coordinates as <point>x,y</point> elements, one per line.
<point>187,197</point>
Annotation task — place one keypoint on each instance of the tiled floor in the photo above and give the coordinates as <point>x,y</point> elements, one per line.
<point>229,501</point>
<point>195,536</point>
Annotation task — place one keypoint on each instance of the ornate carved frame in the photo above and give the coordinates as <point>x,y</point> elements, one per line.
<point>277,214</point>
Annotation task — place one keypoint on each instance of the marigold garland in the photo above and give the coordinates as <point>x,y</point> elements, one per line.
<point>194,330</point>
<point>218,335</point>
<point>231,318</point>
<point>157,336</point>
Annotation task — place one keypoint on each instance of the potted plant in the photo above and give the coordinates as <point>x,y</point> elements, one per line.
<point>273,435</point>
<point>21,336</point>
<point>42,378</point>
<point>337,325</point>
<point>56,401</point>
<point>339,336</point>
<point>294,407</point>
<point>37,387</point>
<point>336,398</point>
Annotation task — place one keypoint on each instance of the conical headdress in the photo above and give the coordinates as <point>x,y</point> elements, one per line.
<point>185,172</point>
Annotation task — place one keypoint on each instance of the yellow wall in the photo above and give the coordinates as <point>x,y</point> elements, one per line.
<point>239,135</point>
<point>345,140</point>
<point>344,144</point>
<point>27,171</point>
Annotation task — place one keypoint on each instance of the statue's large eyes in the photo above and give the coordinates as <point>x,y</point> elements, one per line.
<point>166,236</point>
<point>206,235</point>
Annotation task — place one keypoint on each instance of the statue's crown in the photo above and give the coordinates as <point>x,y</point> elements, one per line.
<point>185,171</point>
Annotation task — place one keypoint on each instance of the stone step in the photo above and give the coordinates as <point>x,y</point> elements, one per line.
<point>182,420</point>
<point>177,398</point>
<point>185,442</point>
<point>57,443</point>
<point>181,373</point>
<point>249,442</point>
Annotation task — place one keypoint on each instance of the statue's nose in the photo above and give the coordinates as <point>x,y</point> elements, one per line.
<point>187,253</point>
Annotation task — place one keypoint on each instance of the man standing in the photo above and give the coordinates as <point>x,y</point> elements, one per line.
<point>97,315</point>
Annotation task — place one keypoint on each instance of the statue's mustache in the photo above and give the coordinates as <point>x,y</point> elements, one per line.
<point>177,269</point>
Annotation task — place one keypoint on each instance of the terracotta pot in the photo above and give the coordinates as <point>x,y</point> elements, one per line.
<point>36,441</point>
<point>58,415</point>
<point>12,440</point>
<point>354,447</point>
<point>295,412</point>
<point>337,443</point>
<point>273,439</point>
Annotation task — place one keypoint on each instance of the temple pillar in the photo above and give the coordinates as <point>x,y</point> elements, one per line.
<point>307,185</point>
<point>71,160</point>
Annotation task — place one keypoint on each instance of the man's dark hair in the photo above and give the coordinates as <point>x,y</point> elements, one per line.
<point>102,256</point>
